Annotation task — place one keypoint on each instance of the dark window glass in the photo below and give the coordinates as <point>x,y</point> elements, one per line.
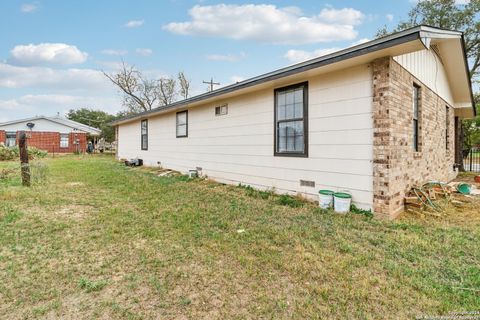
<point>221,110</point>
<point>447,125</point>
<point>416,112</point>
<point>291,120</point>
<point>182,124</point>
<point>144,134</point>
<point>11,139</point>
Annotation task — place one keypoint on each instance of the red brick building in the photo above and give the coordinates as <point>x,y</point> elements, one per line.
<point>53,134</point>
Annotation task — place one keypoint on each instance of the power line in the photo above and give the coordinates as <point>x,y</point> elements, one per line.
<point>211,83</point>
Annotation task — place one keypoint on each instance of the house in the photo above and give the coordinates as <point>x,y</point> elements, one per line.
<point>374,119</point>
<point>53,134</point>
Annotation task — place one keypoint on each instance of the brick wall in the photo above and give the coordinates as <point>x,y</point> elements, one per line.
<point>397,166</point>
<point>50,141</point>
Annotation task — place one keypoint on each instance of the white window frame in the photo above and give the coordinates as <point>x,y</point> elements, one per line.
<point>64,143</point>
<point>221,110</point>
<point>9,140</point>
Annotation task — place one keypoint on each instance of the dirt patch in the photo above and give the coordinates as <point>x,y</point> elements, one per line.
<point>75,184</point>
<point>73,211</point>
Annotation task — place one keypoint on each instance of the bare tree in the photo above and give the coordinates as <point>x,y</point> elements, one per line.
<point>184,84</point>
<point>144,94</point>
<point>130,81</point>
<point>167,90</point>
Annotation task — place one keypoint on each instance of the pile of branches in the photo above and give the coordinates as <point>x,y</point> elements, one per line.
<point>431,195</point>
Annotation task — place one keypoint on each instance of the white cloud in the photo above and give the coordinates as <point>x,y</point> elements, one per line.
<point>457,2</point>
<point>301,55</point>
<point>236,79</point>
<point>30,100</point>
<point>134,23</point>
<point>225,57</point>
<point>144,52</point>
<point>114,52</point>
<point>46,53</point>
<point>57,79</point>
<point>29,7</point>
<point>389,17</point>
<point>269,24</point>
<point>345,16</point>
<point>360,41</point>
<point>50,104</point>
<point>60,90</point>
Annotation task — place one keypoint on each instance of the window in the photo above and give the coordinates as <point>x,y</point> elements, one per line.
<point>416,113</point>
<point>221,110</point>
<point>182,124</point>
<point>144,134</point>
<point>447,127</point>
<point>291,121</point>
<point>11,139</point>
<point>64,140</point>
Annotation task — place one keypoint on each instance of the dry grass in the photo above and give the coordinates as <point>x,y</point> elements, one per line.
<point>103,241</point>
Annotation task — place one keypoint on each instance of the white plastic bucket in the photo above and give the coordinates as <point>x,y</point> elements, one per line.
<point>325,199</point>
<point>342,202</point>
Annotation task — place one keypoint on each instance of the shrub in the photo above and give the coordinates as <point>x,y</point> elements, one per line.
<point>287,200</point>
<point>90,285</point>
<point>35,153</point>
<point>252,192</point>
<point>357,210</point>
<point>8,153</point>
<point>12,153</point>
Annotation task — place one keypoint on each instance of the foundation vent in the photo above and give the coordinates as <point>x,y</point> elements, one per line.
<point>307,183</point>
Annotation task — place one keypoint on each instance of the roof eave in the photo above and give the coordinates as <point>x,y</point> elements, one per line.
<point>408,35</point>
<point>467,70</point>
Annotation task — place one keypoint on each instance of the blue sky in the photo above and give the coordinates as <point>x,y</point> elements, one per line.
<point>51,52</point>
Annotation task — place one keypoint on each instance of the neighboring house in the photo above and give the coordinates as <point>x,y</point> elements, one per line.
<point>374,119</point>
<point>53,134</point>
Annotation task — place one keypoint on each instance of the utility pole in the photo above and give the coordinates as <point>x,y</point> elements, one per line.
<point>211,83</point>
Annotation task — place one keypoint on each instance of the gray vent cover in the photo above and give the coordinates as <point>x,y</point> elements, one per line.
<point>306,183</point>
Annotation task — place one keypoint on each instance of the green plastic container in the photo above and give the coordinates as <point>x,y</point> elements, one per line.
<point>325,198</point>
<point>464,188</point>
<point>342,202</point>
<point>342,195</point>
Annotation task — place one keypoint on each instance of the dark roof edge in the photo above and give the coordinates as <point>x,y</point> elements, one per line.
<point>468,75</point>
<point>348,53</point>
<point>66,122</point>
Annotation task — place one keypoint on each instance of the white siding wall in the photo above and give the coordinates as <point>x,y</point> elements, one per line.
<point>40,125</point>
<point>238,147</point>
<point>427,67</point>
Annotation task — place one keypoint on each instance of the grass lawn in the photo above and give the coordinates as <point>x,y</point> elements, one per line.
<point>100,240</point>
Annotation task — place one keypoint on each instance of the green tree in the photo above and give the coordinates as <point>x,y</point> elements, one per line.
<point>95,118</point>
<point>446,14</point>
<point>471,128</point>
